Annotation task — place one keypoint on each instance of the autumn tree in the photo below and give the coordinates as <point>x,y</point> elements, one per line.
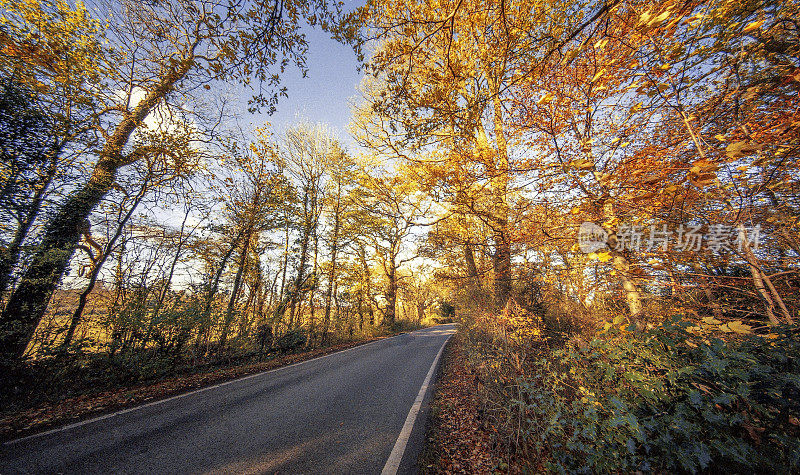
<point>395,206</point>
<point>440,100</point>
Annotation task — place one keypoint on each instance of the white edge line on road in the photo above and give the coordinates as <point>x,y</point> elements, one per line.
<point>393,463</point>
<point>190,393</point>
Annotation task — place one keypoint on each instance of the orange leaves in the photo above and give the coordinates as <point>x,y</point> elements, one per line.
<point>741,149</point>
<point>703,173</point>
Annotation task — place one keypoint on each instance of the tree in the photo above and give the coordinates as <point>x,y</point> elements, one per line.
<point>395,206</point>
<point>439,101</point>
<point>253,199</point>
<point>52,59</point>
<point>308,151</point>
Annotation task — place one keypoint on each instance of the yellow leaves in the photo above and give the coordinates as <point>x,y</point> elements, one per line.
<point>575,210</point>
<point>660,18</point>
<point>753,26</point>
<point>742,149</point>
<point>736,327</point>
<point>636,107</point>
<point>598,74</point>
<point>570,56</point>
<point>603,256</point>
<point>582,164</point>
<point>651,21</point>
<point>601,44</point>
<point>739,327</point>
<point>695,19</point>
<point>53,39</point>
<point>603,178</point>
<point>545,99</point>
<point>720,137</point>
<point>711,323</point>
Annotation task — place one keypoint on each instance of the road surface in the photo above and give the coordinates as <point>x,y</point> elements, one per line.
<point>347,412</point>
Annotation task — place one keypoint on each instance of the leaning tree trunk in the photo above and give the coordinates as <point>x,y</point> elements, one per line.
<point>28,303</point>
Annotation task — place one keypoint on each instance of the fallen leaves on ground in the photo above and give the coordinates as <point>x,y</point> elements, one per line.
<point>457,442</point>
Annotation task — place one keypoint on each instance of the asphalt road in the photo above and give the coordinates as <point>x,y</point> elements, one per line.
<point>341,413</point>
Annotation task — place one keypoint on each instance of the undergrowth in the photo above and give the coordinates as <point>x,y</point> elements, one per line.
<point>677,397</point>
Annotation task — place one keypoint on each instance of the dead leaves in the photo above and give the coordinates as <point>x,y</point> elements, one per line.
<point>458,441</point>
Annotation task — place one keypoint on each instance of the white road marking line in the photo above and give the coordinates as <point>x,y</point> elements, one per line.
<point>393,463</point>
<point>190,393</point>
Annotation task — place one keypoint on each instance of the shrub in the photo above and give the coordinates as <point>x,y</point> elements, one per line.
<point>667,399</point>
<point>291,341</point>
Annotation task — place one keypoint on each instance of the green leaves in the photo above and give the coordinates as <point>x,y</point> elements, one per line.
<point>651,402</point>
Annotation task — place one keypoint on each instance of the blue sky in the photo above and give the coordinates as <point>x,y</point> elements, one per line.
<point>324,95</point>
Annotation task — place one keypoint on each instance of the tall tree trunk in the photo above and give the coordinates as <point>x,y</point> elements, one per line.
<point>9,257</point>
<point>472,270</point>
<point>312,325</point>
<point>204,332</point>
<point>497,165</point>
<point>237,283</point>
<point>391,296</point>
<point>367,283</point>
<point>332,272</point>
<point>500,190</point>
<point>301,267</point>
<point>285,265</point>
<point>501,261</point>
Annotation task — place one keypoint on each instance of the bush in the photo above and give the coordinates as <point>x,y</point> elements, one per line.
<point>664,400</point>
<point>291,341</point>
